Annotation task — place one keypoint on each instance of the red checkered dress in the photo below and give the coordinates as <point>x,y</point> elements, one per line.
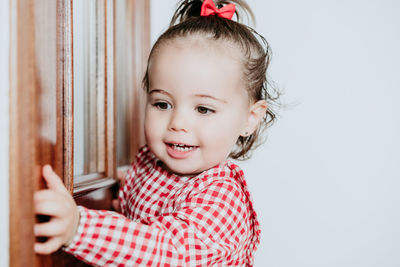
<point>169,220</point>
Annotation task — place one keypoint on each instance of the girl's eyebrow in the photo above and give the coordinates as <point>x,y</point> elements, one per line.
<point>160,91</point>
<point>212,97</point>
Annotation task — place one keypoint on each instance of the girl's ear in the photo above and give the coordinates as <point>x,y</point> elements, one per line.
<point>256,114</point>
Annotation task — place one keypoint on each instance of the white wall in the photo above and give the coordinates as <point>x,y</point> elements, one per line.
<point>4,146</point>
<point>326,184</point>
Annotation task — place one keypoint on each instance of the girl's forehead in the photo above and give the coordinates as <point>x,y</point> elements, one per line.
<point>205,44</point>
<point>199,55</point>
<point>212,67</point>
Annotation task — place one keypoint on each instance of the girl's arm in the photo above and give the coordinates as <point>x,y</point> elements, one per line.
<point>57,203</point>
<point>209,228</point>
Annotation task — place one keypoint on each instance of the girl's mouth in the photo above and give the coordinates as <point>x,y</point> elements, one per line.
<point>180,151</point>
<point>181,147</point>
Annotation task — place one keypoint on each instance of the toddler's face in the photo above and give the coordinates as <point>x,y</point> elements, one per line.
<point>197,105</point>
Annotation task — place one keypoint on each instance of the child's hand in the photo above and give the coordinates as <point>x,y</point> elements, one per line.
<point>57,203</point>
<point>121,175</point>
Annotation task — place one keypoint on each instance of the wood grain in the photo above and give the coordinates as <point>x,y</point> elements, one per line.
<point>41,112</point>
<point>133,46</point>
<point>23,170</point>
<point>66,79</point>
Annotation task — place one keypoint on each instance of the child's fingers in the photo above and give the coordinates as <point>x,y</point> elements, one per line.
<point>121,176</point>
<point>47,203</point>
<point>49,229</point>
<point>45,195</point>
<point>48,247</point>
<point>116,205</point>
<point>53,181</point>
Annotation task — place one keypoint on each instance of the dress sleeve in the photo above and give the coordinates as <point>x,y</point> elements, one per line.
<point>210,227</point>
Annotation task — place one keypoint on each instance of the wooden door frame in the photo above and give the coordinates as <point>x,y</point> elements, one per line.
<point>23,170</point>
<point>29,151</point>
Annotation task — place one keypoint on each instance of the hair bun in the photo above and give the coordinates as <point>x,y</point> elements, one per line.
<point>192,8</point>
<point>186,9</point>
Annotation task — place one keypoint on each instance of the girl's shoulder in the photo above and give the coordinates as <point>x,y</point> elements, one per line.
<point>230,175</point>
<point>226,171</point>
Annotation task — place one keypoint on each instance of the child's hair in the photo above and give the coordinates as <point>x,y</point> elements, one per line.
<point>256,56</point>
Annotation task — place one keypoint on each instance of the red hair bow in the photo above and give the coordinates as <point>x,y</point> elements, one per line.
<point>208,8</point>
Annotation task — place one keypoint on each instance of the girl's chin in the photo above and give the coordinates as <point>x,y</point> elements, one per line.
<point>181,170</point>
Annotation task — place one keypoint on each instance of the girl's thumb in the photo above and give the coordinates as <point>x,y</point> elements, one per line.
<point>53,181</point>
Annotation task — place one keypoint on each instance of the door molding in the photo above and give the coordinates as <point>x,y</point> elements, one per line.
<point>41,111</point>
<point>24,171</point>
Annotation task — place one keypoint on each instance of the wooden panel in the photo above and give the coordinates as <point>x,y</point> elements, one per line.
<point>110,105</point>
<point>35,118</point>
<point>101,82</point>
<point>41,112</point>
<point>23,170</point>
<point>141,45</point>
<point>133,45</point>
<point>94,131</point>
<point>65,87</point>
<point>49,93</point>
<point>40,67</point>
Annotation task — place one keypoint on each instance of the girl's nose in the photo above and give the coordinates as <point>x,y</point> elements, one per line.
<point>178,121</point>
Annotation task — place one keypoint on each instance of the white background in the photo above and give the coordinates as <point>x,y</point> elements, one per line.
<point>4,85</point>
<point>326,185</point>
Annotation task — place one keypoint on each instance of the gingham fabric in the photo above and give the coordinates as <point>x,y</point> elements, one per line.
<point>169,220</point>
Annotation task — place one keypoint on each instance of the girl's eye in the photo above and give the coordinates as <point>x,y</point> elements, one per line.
<point>204,110</point>
<point>162,105</point>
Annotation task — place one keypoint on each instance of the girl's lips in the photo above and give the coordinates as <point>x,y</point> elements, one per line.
<point>179,151</point>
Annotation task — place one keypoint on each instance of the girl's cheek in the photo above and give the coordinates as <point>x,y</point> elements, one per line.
<point>149,126</point>
<point>154,124</point>
<point>210,131</point>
